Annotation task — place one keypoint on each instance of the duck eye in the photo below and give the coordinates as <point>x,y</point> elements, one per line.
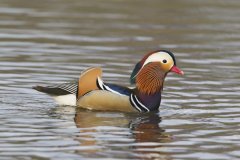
<point>164,61</point>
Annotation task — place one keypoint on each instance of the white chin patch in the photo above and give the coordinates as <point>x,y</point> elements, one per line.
<point>69,99</point>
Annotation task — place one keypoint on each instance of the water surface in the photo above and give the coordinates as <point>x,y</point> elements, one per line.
<point>51,42</point>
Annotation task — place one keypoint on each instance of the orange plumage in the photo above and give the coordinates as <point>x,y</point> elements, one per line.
<point>150,79</point>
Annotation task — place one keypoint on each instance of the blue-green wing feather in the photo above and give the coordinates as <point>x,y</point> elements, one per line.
<point>136,69</point>
<point>117,88</point>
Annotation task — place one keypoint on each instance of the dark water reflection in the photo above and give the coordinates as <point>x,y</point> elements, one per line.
<point>51,42</point>
<point>122,135</point>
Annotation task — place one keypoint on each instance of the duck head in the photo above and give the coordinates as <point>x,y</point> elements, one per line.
<point>150,72</point>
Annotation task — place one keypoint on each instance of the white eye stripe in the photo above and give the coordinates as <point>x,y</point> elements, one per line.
<point>158,57</point>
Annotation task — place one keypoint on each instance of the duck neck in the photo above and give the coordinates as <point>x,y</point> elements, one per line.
<point>150,79</point>
<point>149,84</point>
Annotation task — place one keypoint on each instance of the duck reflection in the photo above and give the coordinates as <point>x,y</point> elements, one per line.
<point>146,128</point>
<point>135,134</point>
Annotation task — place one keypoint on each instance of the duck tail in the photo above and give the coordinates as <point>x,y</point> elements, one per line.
<point>56,91</point>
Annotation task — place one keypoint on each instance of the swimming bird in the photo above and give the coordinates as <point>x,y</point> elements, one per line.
<point>91,92</point>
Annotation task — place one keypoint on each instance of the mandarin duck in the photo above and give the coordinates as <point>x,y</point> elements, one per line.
<point>91,92</point>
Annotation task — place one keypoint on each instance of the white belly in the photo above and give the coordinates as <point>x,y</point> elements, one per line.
<point>69,99</point>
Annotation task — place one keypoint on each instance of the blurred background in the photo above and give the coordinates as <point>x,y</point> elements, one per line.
<point>52,41</point>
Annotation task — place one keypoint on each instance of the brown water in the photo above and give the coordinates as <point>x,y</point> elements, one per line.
<point>46,42</point>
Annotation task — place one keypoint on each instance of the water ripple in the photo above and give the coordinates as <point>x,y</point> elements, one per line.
<point>42,43</point>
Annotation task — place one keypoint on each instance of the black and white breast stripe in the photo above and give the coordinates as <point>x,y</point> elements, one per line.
<point>137,104</point>
<point>69,87</point>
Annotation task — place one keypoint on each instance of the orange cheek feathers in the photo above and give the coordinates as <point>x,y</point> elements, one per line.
<point>166,67</point>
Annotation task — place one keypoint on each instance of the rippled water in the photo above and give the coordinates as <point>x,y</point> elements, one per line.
<point>46,42</point>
